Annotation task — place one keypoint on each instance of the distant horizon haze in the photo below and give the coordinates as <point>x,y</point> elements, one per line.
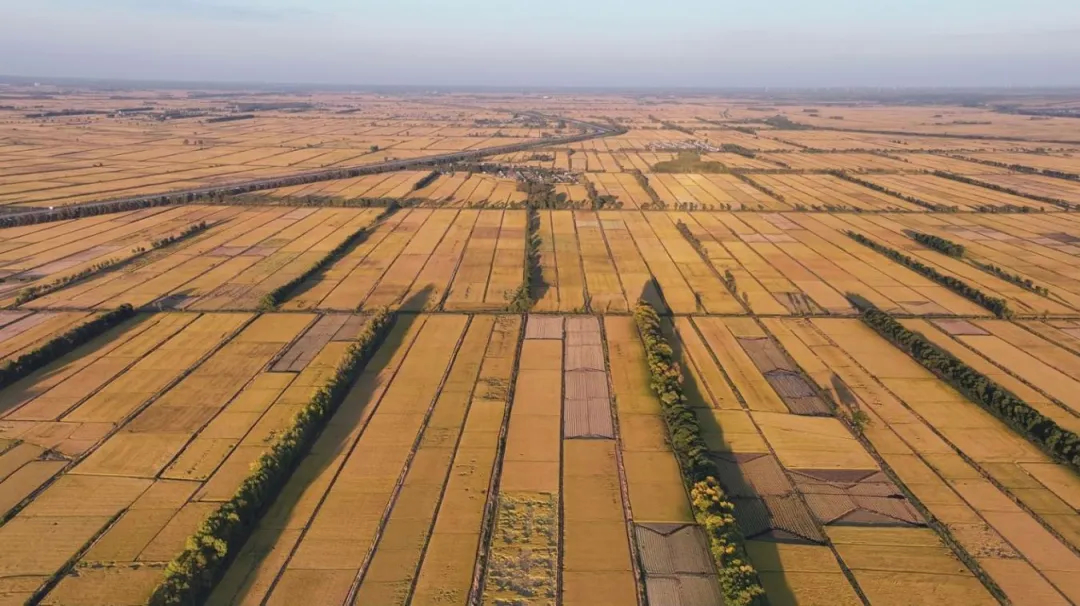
<point>559,43</point>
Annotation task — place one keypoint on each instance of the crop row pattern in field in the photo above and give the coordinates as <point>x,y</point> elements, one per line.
<point>472,260</point>
<point>116,453</point>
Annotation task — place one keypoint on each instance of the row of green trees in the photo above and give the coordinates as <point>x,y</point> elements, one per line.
<point>426,180</point>
<point>954,249</point>
<point>1021,168</point>
<point>768,191</point>
<point>217,194</point>
<point>1017,279</point>
<point>994,304</point>
<point>543,195</point>
<point>694,241</point>
<point>712,508</point>
<point>600,201</point>
<point>734,148</point>
<point>79,212</point>
<point>942,245</point>
<point>643,181</point>
<point>1039,429</point>
<point>55,348</point>
<point>532,279</point>
<point>258,199</point>
<point>282,293</point>
<point>40,290</point>
<point>941,208</point>
<point>191,231</point>
<point>1005,190</point>
<point>192,574</point>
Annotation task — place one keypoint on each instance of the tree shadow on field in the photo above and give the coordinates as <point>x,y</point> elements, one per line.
<point>726,453</point>
<point>535,256</point>
<point>278,531</point>
<point>333,259</point>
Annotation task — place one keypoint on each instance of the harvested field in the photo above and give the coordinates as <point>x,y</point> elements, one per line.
<point>826,191</point>
<point>940,446</point>
<point>712,192</point>
<point>848,162</point>
<point>68,160</point>
<point>23,331</point>
<point>1037,185</point>
<point>230,266</point>
<point>113,455</point>
<point>952,194</point>
<point>488,457</point>
<point>1065,163</point>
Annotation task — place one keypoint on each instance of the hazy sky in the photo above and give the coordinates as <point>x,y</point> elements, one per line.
<point>667,43</point>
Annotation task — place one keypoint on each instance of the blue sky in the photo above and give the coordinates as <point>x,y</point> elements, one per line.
<point>697,43</point>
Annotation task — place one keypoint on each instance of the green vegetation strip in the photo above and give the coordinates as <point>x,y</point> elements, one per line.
<point>192,574</point>
<point>1021,168</point>
<point>892,192</point>
<point>1006,190</point>
<point>1040,430</point>
<point>643,181</point>
<point>427,179</point>
<point>34,292</point>
<point>279,295</point>
<point>40,290</point>
<point>192,230</point>
<point>1017,279</point>
<point>943,246</point>
<point>952,249</point>
<point>600,201</point>
<point>712,509</point>
<point>689,162</point>
<point>532,277</point>
<point>52,350</point>
<point>994,304</point>
<point>761,188</point>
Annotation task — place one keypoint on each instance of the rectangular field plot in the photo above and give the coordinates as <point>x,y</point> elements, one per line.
<point>1036,248</point>
<point>624,187</point>
<point>23,331</point>
<point>426,259</point>
<point>1032,359</point>
<point>669,547</point>
<point>57,160</point>
<point>779,264</point>
<point>795,264</point>
<point>230,266</point>
<point>37,255</point>
<point>798,477</point>
<point>391,503</point>
<point>1003,501</point>
<point>144,432</point>
<point>453,190</point>
<point>1038,185</point>
<point>1065,163</point>
<point>826,191</point>
<point>953,194</point>
<point>712,192</point>
<point>846,162</point>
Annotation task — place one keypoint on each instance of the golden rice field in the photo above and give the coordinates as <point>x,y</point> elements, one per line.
<point>63,160</point>
<point>230,266</point>
<point>412,496</point>
<point>1062,162</point>
<point>597,261</point>
<point>503,442</point>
